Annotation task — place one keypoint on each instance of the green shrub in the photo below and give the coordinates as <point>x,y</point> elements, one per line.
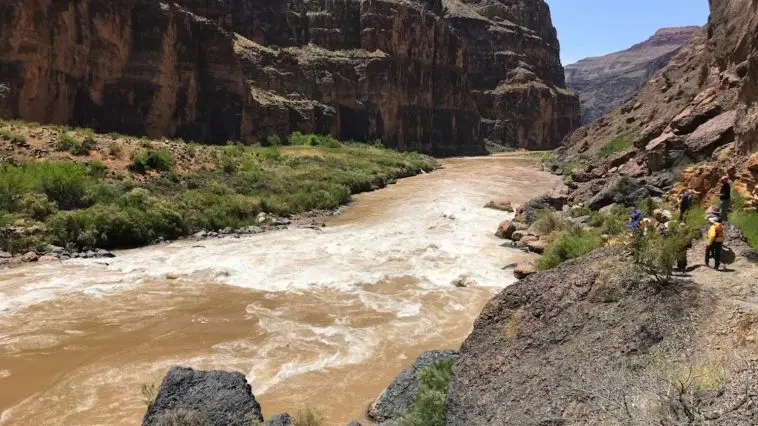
<point>64,183</point>
<point>152,159</point>
<point>325,141</point>
<point>614,222</point>
<point>658,254</point>
<point>66,142</point>
<point>747,222</point>
<point>130,224</point>
<point>83,148</point>
<point>115,150</point>
<point>581,211</point>
<point>273,140</point>
<point>12,136</point>
<point>567,245</point>
<point>549,221</point>
<point>738,201</point>
<point>618,144</point>
<point>430,400</point>
<point>647,207</point>
<point>38,206</point>
<point>696,217</point>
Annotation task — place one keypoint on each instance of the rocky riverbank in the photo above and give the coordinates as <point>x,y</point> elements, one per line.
<point>219,398</point>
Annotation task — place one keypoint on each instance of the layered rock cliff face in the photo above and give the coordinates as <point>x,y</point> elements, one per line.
<point>699,108</point>
<point>435,76</point>
<point>603,82</point>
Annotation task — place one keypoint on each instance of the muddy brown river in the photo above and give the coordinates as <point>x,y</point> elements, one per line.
<point>320,318</point>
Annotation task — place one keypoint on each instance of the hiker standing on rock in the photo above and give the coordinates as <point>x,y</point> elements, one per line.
<point>726,198</point>
<point>685,202</point>
<point>715,242</point>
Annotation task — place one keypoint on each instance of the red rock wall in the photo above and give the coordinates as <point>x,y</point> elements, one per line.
<point>411,73</point>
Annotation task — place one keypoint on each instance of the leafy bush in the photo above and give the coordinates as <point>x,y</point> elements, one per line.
<point>614,222</point>
<point>430,400</point>
<point>567,245</point>
<point>65,184</point>
<point>152,159</point>
<point>130,224</point>
<point>658,254</point>
<point>618,144</point>
<point>273,140</point>
<point>38,206</point>
<point>298,138</point>
<point>66,142</point>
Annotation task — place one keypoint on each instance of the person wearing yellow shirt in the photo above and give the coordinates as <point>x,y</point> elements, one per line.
<point>715,241</point>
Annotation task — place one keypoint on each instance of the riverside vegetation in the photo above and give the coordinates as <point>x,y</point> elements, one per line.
<point>112,191</point>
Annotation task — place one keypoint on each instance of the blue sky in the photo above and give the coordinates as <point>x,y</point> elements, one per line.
<point>597,27</point>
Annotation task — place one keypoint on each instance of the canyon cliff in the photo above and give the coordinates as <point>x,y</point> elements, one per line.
<point>603,82</point>
<point>433,76</point>
<point>596,342</point>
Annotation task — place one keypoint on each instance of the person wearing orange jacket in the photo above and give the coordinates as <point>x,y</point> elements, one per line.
<point>715,241</point>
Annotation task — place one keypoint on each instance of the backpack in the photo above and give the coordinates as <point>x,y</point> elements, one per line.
<point>686,201</point>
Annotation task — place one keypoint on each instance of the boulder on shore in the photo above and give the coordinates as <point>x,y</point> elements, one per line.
<point>502,205</point>
<point>212,398</point>
<point>30,257</point>
<point>505,230</point>
<point>400,395</point>
<point>282,419</point>
<point>524,269</point>
<point>537,246</point>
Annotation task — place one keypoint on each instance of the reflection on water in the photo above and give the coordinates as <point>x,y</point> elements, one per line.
<point>322,318</point>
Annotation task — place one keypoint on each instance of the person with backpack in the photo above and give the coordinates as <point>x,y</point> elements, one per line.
<point>715,242</point>
<point>725,195</point>
<point>685,202</point>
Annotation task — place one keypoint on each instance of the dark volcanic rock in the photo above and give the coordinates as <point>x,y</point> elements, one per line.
<point>217,398</point>
<point>621,190</point>
<point>436,77</point>
<point>400,395</point>
<point>605,81</point>
<point>282,419</point>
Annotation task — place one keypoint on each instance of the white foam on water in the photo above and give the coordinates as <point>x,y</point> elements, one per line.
<point>317,348</point>
<point>436,245</point>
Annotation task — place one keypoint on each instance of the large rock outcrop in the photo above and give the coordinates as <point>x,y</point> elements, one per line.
<point>400,395</point>
<point>208,398</point>
<point>699,108</point>
<point>596,342</point>
<point>603,82</point>
<point>428,75</point>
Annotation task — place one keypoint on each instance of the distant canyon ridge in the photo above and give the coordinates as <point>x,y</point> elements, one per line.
<point>604,82</point>
<point>437,76</point>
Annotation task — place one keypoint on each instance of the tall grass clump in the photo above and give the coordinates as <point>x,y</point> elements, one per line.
<point>569,244</point>
<point>618,144</point>
<point>10,135</point>
<point>309,416</point>
<point>747,222</point>
<point>430,399</point>
<point>549,221</point>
